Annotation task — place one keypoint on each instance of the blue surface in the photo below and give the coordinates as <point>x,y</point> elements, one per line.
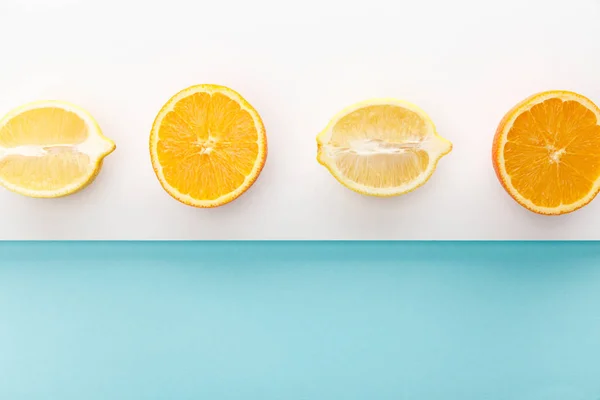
<point>287,321</point>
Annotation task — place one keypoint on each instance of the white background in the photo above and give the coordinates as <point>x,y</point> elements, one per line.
<point>465,62</point>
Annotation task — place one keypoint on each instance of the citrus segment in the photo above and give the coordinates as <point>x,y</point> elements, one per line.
<point>208,145</point>
<point>50,149</point>
<point>31,128</point>
<point>381,147</point>
<point>546,152</point>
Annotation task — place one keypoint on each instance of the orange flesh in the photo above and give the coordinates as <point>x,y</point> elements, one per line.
<point>378,146</point>
<point>552,153</point>
<point>207,146</point>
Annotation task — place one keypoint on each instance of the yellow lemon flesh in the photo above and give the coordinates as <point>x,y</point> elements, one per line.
<point>381,147</point>
<point>50,149</point>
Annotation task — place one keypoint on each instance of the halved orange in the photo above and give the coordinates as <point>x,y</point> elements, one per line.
<point>546,152</point>
<point>208,145</point>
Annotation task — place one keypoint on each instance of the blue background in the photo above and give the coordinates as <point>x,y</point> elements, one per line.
<point>300,320</point>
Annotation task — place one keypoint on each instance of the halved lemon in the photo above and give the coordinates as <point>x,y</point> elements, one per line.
<point>50,149</point>
<point>208,146</point>
<point>381,147</point>
<point>546,152</point>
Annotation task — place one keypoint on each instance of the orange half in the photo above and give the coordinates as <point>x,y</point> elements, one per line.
<point>208,146</point>
<point>546,152</point>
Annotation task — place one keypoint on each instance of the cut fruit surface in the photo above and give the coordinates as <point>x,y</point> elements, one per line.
<point>546,152</point>
<point>50,149</point>
<point>381,147</point>
<point>208,146</point>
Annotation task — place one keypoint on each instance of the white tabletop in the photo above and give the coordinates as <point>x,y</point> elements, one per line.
<point>465,62</point>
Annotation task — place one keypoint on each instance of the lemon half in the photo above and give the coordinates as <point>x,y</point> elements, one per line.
<point>50,149</point>
<point>381,147</point>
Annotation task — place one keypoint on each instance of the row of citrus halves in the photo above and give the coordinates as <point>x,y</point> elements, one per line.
<point>208,145</point>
